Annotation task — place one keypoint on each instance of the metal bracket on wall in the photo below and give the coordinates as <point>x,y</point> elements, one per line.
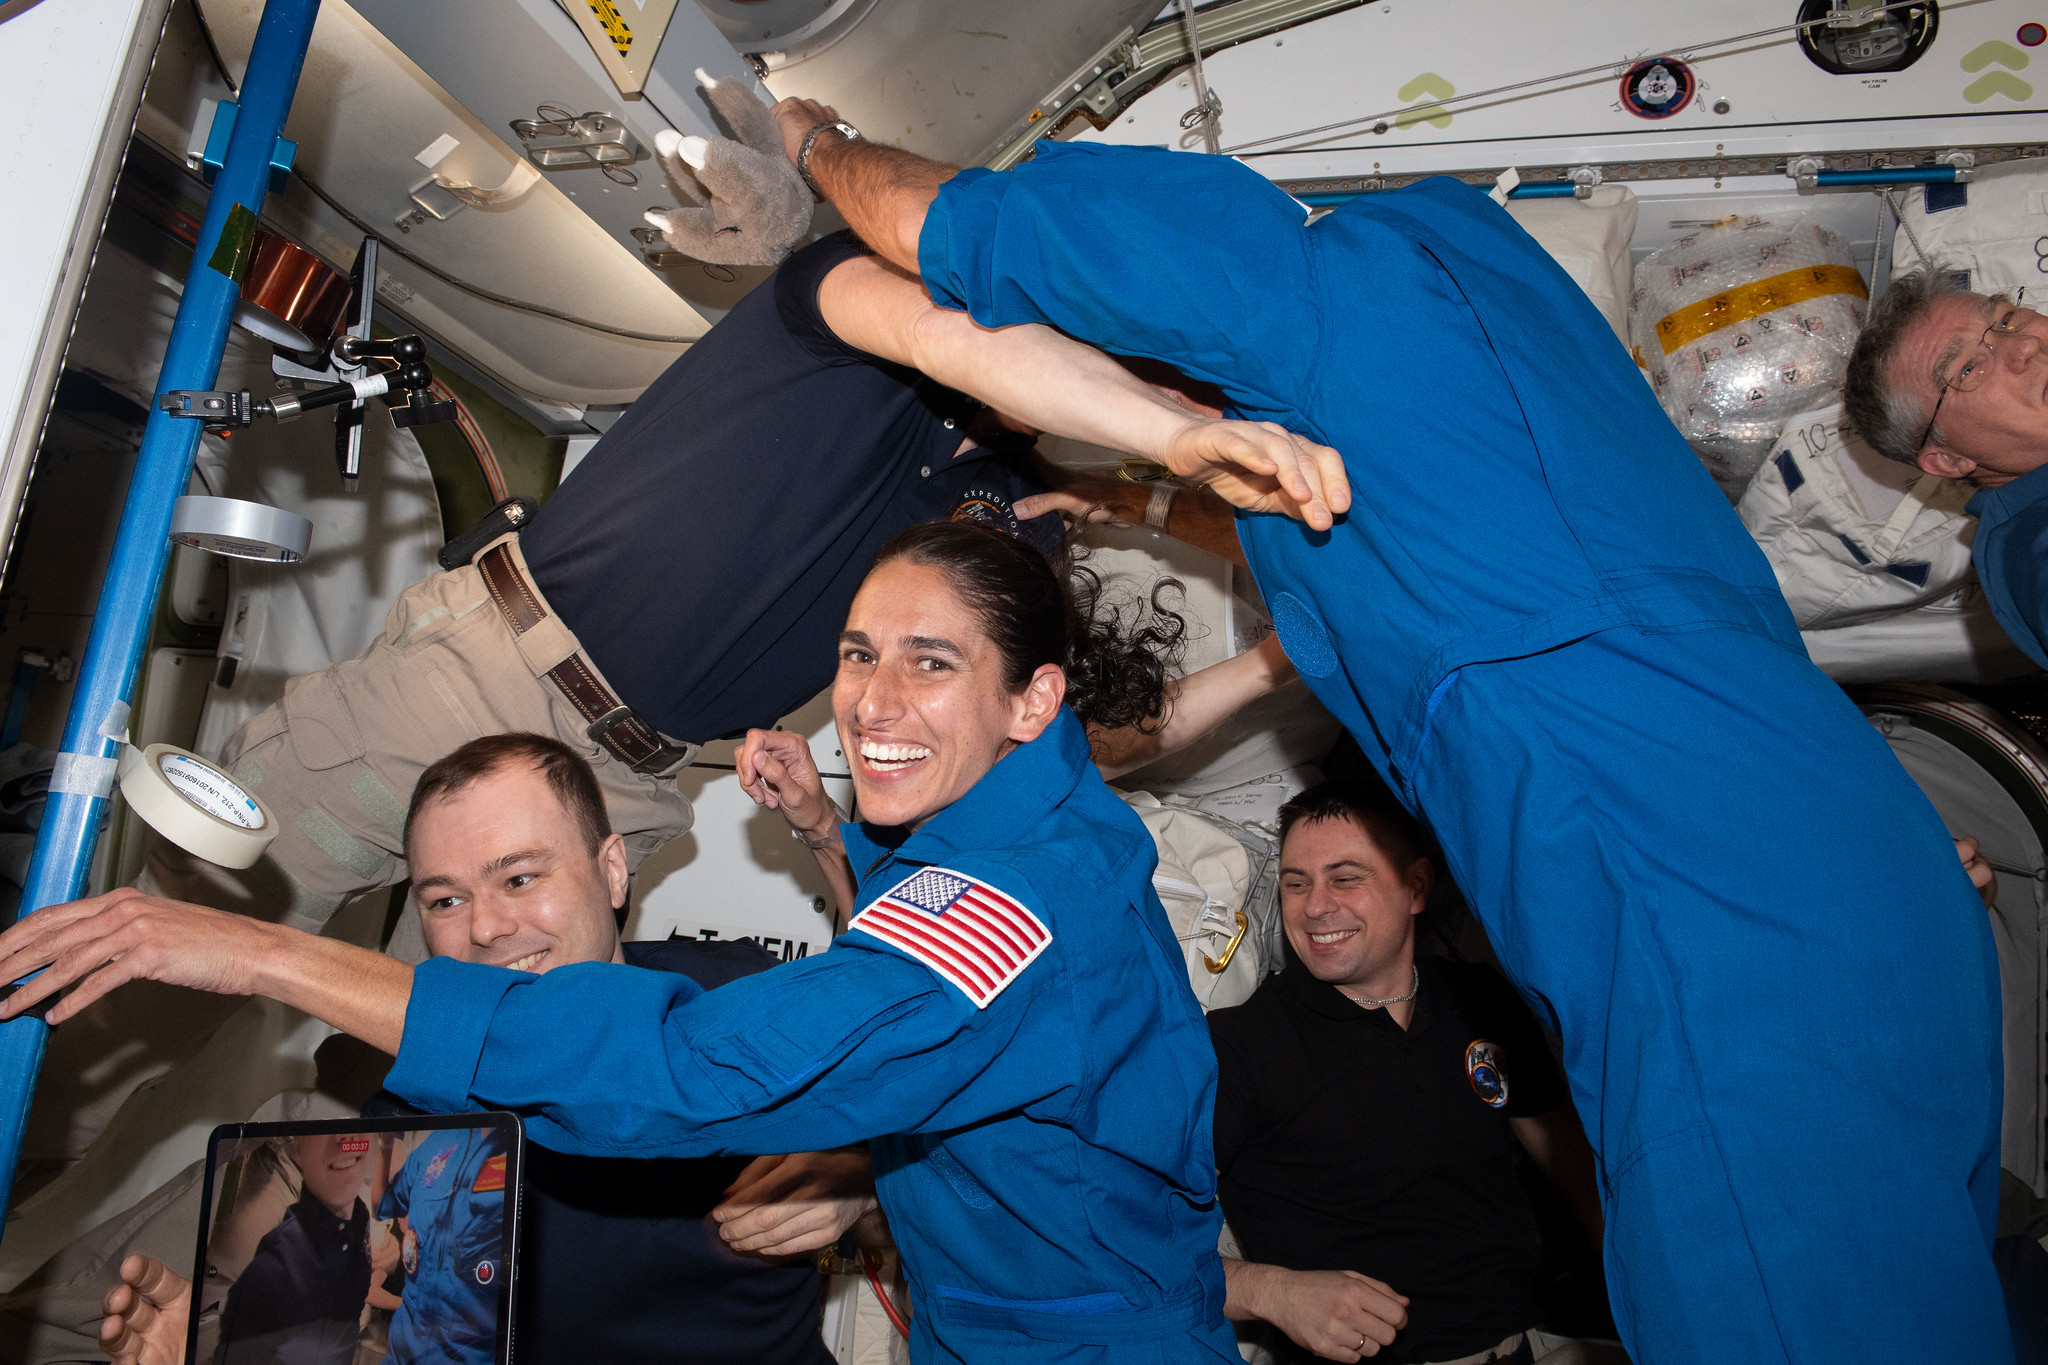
<point>1133,63</point>
<point>430,200</point>
<point>556,140</point>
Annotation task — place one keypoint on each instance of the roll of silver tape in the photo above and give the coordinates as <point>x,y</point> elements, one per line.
<point>245,530</point>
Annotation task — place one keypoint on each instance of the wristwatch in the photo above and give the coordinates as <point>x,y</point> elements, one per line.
<point>1156,505</point>
<point>803,151</point>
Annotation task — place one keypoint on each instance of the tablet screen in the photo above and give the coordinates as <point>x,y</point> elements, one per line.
<point>343,1242</point>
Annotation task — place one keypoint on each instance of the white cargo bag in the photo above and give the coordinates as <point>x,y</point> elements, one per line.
<point>1218,882</point>
<point>1589,239</point>
<point>1742,326</point>
<point>1998,233</point>
<point>1874,559</point>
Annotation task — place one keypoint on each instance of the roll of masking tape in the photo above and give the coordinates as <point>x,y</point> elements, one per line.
<point>195,805</point>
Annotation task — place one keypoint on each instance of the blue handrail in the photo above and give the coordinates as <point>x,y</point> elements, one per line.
<point>1888,175</point>
<point>127,606</point>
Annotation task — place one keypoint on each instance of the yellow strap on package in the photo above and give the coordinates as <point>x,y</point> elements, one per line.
<point>1752,300</point>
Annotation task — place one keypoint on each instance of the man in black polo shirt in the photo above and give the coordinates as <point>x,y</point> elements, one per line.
<point>1367,1102</point>
<point>623,1262</point>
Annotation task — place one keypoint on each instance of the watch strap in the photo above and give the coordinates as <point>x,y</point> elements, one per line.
<point>803,151</point>
<point>1157,504</point>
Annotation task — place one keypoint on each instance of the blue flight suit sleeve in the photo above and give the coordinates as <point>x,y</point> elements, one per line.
<point>603,1060</point>
<point>397,1200</point>
<point>2012,562</point>
<point>1139,251</point>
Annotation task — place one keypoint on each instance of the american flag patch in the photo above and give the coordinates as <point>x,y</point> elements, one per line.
<point>965,930</point>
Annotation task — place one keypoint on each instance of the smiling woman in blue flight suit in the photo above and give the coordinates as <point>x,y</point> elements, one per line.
<point>1007,1017</point>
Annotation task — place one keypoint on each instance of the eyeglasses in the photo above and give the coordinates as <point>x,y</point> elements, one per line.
<point>1977,368</point>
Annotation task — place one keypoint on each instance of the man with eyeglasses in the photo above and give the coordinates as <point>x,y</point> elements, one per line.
<point>1957,384</point>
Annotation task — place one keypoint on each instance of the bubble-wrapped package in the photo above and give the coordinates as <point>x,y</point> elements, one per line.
<point>1741,326</point>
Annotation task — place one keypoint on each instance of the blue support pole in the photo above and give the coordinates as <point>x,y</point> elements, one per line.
<point>1888,175</point>
<point>1544,189</point>
<point>127,606</point>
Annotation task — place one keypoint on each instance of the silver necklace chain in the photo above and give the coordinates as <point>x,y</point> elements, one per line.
<point>1369,1003</point>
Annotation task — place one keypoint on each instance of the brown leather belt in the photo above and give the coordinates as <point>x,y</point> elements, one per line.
<point>611,723</point>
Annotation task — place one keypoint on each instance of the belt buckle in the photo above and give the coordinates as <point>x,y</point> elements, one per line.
<point>599,729</point>
<point>661,754</point>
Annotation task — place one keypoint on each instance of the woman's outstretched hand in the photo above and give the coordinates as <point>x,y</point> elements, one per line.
<point>777,770</point>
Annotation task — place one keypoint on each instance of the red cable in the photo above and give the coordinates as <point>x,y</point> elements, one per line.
<point>872,1264</point>
<point>479,444</point>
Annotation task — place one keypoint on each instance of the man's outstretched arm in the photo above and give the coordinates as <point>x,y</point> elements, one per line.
<point>1033,374</point>
<point>1195,706</point>
<point>146,1314</point>
<point>882,192</point>
<point>123,936</point>
<point>885,195</point>
<point>1192,516</point>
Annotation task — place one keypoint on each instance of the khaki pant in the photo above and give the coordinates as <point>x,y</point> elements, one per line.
<point>337,759</point>
<point>336,762</point>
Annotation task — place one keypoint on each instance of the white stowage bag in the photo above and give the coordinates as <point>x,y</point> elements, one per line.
<point>1874,559</point>
<point>1742,327</point>
<point>1589,238</point>
<point>1218,880</point>
<point>1995,228</point>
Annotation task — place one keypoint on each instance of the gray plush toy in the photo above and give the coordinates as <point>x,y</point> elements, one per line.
<point>759,207</point>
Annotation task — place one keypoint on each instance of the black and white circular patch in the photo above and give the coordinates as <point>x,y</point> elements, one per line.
<point>1658,87</point>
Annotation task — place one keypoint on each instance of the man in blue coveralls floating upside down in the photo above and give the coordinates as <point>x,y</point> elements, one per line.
<point>1776,990</point>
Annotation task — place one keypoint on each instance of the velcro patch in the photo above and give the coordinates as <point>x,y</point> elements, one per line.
<point>490,1177</point>
<point>965,930</point>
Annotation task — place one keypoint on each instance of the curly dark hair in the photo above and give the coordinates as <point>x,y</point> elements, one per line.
<point>1117,660</point>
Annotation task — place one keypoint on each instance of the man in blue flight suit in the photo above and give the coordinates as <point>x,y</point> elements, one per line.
<point>1956,383</point>
<point>1777,992</point>
<point>513,865</point>
<point>449,1198</point>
